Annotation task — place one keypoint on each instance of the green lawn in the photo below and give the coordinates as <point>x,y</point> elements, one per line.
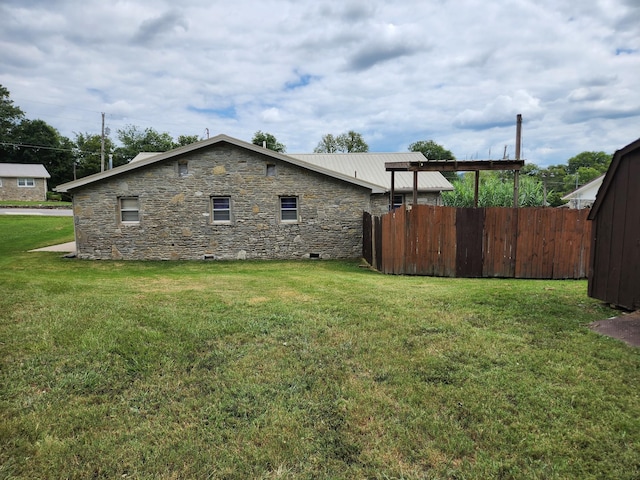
<point>314,369</point>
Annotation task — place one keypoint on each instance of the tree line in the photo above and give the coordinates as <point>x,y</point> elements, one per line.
<point>24,140</point>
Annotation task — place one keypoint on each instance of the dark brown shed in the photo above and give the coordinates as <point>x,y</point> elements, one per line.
<point>614,273</point>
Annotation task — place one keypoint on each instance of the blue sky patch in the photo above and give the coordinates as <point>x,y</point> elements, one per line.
<point>228,112</point>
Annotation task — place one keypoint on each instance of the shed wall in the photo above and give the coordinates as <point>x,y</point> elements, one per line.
<point>614,276</point>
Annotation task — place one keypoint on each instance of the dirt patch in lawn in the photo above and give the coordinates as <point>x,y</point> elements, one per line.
<point>625,327</point>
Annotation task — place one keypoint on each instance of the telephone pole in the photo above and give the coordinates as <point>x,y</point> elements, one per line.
<point>102,146</point>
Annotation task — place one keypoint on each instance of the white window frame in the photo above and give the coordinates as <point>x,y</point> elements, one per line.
<point>222,210</point>
<point>286,211</point>
<point>26,182</point>
<point>183,168</point>
<point>126,207</point>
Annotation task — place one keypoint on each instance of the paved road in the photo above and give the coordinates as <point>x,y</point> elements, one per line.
<point>50,212</point>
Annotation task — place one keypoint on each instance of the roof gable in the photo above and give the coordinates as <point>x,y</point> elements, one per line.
<point>143,161</point>
<point>610,175</point>
<point>19,170</point>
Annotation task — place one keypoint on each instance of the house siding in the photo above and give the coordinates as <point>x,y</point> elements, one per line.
<point>9,190</point>
<point>175,212</point>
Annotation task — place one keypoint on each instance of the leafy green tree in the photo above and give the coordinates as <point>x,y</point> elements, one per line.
<point>433,151</point>
<point>41,143</point>
<point>10,117</point>
<point>186,140</point>
<point>260,138</point>
<point>599,161</point>
<point>88,153</point>
<point>134,141</point>
<point>350,142</point>
<point>328,144</point>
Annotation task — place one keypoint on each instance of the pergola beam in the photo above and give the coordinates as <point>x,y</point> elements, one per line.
<point>454,165</point>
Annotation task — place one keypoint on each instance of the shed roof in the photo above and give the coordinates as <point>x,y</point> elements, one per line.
<point>144,160</point>
<point>20,170</point>
<point>371,167</point>
<point>609,176</point>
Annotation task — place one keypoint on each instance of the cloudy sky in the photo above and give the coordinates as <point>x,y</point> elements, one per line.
<point>453,71</point>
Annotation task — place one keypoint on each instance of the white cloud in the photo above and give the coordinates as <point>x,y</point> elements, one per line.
<point>397,72</point>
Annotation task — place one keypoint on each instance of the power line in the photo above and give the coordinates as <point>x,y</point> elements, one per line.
<point>44,147</point>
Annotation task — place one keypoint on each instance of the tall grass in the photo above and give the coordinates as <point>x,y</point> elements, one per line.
<point>301,370</point>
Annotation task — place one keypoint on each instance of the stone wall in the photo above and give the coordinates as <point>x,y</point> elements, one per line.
<point>9,190</point>
<point>176,213</point>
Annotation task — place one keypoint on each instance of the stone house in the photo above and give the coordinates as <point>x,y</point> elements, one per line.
<point>23,181</point>
<point>223,198</point>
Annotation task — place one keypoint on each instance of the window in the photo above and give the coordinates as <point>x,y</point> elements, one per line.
<point>183,169</point>
<point>221,209</point>
<point>26,182</point>
<point>289,209</point>
<point>398,200</point>
<point>129,210</point>
<point>271,170</point>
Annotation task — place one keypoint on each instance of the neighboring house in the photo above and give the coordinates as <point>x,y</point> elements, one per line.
<point>614,273</point>
<point>584,196</point>
<point>23,181</point>
<point>222,198</point>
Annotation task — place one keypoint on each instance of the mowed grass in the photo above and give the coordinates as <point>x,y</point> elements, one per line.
<point>314,369</point>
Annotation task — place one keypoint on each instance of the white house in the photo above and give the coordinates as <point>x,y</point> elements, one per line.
<point>584,196</point>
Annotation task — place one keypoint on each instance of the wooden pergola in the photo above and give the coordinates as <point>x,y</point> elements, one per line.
<point>455,166</point>
<point>461,166</point>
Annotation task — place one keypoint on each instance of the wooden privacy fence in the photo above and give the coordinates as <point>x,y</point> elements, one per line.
<point>541,243</point>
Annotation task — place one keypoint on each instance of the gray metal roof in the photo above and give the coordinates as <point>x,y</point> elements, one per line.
<point>23,170</point>
<point>371,167</point>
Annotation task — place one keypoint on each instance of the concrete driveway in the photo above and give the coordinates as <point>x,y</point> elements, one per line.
<point>69,247</point>
<point>50,212</point>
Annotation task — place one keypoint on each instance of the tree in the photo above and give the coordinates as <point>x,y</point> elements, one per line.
<point>328,144</point>
<point>350,142</point>
<point>41,143</point>
<point>186,140</point>
<point>433,151</point>
<point>88,153</point>
<point>10,117</point>
<point>134,140</point>
<point>599,161</point>
<point>261,138</point>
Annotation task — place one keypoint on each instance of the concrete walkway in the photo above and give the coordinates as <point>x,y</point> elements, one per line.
<point>69,247</point>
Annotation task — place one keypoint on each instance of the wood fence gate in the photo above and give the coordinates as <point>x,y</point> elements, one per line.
<point>545,243</point>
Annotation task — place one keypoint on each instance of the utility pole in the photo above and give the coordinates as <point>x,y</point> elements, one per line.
<point>102,146</point>
<point>516,177</point>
